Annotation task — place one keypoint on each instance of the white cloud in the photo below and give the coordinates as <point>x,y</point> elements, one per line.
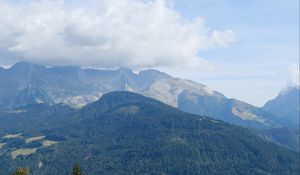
<point>294,72</point>
<point>107,33</point>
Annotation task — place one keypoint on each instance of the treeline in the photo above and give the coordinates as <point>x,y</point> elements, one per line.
<point>76,170</point>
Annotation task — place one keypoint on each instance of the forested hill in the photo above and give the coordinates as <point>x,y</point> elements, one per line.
<point>126,133</point>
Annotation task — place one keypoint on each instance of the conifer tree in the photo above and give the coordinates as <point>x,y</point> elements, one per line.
<point>76,170</point>
<point>21,171</point>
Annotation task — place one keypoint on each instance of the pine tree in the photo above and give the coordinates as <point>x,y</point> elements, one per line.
<point>21,171</point>
<point>76,170</point>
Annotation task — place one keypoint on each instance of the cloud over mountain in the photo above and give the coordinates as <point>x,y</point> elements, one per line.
<point>114,33</point>
<point>294,74</point>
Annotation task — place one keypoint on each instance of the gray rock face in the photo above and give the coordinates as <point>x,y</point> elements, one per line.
<point>26,83</point>
<point>286,106</point>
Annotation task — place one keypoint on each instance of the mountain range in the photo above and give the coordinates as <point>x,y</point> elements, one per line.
<point>126,133</point>
<point>26,83</point>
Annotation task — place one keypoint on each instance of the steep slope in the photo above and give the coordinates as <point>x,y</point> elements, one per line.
<point>126,133</point>
<point>286,137</point>
<point>286,106</point>
<point>230,110</point>
<point>71,84</point>
<point>27,83</point>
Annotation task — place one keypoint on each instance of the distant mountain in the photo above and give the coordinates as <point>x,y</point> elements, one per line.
<point>126,133</point>
<point>78,87</point>
<point>26,83</point>
<point>230,110</point>
<point>286,106</point>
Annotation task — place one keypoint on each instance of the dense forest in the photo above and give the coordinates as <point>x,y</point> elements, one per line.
<point>126,133</point>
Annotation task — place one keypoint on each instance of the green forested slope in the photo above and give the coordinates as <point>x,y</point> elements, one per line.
<point>125,133</point>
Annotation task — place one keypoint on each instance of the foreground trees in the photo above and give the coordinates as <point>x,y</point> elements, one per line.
<point>21,171</point>
<point>76,170</point>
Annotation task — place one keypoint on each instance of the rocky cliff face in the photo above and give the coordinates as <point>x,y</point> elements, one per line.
<point>27,83</point>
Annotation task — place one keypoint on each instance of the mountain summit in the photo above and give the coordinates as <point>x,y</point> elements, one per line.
<point>286,105</point>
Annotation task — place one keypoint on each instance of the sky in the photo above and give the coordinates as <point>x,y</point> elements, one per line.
<point>247,50</point>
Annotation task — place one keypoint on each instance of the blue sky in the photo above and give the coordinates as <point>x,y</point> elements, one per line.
<point>256,66</point>
<point>247,50</point>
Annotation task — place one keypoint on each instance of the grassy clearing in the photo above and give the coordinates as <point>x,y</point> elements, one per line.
<point>23,152</point>
<point>2,144</point>
<point>12,136</point>
<point>32,139</point>
<point>47,143</point>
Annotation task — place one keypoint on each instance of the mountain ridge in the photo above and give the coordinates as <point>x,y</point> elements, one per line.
<point>26,83</point>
